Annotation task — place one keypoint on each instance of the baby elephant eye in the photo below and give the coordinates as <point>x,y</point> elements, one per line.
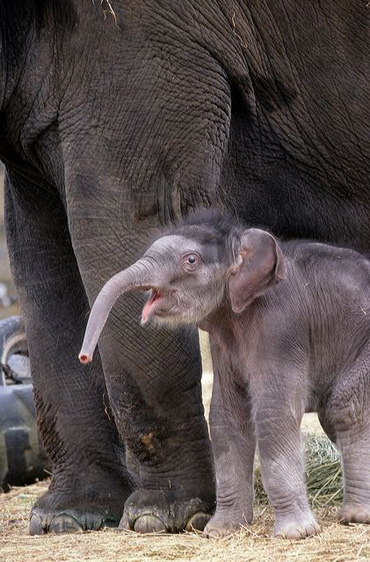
<point>190,262</point>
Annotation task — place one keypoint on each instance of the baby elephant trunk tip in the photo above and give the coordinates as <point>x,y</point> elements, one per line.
<point>85,358</point>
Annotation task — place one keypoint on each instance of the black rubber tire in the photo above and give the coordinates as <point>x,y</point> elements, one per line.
<point>22,459</point>
<point>12,342</point>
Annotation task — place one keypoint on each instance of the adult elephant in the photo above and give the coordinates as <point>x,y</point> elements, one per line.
<point>115,117</point>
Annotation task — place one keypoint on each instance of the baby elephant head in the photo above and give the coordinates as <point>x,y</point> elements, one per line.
<point>190,271</point>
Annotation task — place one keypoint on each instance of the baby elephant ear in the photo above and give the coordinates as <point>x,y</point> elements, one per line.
<point>261,265</point>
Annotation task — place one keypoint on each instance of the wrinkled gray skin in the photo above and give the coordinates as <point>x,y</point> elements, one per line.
<point>279,350</point>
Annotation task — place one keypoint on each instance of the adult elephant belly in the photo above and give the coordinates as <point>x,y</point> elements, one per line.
<point>292,200</point>
<point>300,150</point>
<point>299,174</point>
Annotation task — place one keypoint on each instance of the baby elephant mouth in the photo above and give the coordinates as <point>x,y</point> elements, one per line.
<point>157,304</point>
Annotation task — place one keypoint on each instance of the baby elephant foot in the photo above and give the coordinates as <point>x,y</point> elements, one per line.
<point>222,525</point>
<point>352,513</point>
<point>296,527</point>
<point>149,512</point>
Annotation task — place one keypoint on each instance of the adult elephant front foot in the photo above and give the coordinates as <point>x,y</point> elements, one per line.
<point>65,512</point>
<point>72,519</point>
<point>160,511</point>
<point>68,521</point>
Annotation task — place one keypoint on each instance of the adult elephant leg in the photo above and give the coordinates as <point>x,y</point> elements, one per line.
<point>89,483</point>
<point>158,151</point>
<point>233,444</point>
<point>153,381</point>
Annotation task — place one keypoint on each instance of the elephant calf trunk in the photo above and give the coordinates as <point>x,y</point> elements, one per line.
<point>98,317</point>
<point>133,278</point>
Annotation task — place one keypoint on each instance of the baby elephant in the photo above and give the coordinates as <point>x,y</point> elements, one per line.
<point>278,349</point>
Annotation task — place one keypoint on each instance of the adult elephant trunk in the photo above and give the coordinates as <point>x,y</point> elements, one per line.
<point>138,276</point>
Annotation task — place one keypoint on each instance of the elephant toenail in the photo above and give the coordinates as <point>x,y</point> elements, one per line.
<point>149,524</point>
<point>124,524</point>
<point>36,527</point>
<point>65,524</point>
<point>210,533</point>
<point>198,521</point>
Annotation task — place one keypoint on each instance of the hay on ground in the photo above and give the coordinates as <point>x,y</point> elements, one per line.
<point>336,542</point>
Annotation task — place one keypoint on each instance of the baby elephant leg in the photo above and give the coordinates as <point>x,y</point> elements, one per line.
<point>281,454</point>
<point>349,411</point>
<point>233,443</point>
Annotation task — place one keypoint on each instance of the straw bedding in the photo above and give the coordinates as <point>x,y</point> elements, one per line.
<point>335,543</point>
